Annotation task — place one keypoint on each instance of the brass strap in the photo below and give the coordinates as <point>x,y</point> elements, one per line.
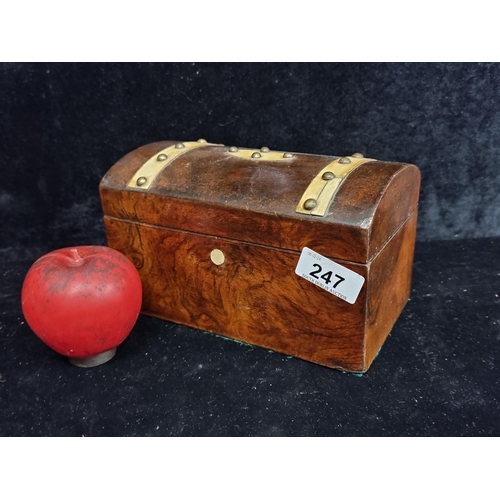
<point>319,194</point>
<point>146,174</point>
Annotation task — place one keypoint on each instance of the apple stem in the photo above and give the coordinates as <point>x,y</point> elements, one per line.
<point>75,256</point>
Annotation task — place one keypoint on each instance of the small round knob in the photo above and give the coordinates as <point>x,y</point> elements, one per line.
<point>141,181</point>
<point>288,155</point>
<point>161,157</point>
<point>328,176</point>
<point>201,140</point>
<point>344,160</point>
<point>217,257</point>
<point>233,149</point>
<point>180,145</point>
<point>264,149</point>
<point>256,155</point>
<point>357,155</point>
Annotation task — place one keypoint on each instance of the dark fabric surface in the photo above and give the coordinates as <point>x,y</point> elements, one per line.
<point>64,125</point>
<point>437,374</point>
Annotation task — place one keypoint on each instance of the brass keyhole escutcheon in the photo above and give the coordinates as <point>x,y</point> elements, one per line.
<point>217,257</point>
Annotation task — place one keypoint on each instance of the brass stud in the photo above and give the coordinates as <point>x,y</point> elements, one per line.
<point>264,149</point>
<point>357,155</point>
<point>179,145</point>
<point>201,140</point>
<point>256,155</point>
<point>161,157</point>
<point>344,160</point>
<point>310,204</point>
<point>233,149</point>
<point>328,176</point>
<point>288,155</point>
<point>141,181</point>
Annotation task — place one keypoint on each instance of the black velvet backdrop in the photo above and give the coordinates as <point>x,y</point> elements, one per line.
<point>63,125</point>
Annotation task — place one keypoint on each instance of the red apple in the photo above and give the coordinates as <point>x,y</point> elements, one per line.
<point>82,301</point>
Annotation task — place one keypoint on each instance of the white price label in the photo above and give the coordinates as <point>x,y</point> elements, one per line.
<point>332,277</point>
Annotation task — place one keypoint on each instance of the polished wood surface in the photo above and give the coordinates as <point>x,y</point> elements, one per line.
<point>255,296</point>
<point>246,210</point>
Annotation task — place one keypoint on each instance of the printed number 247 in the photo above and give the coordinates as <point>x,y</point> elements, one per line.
<point>327,277</point>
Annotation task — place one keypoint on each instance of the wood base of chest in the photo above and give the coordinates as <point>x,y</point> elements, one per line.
<point>255,296</point>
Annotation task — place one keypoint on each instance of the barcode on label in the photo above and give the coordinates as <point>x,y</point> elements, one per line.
<point>332,277</point>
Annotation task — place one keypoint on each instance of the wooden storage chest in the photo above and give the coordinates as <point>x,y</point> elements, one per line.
<point>217,233</point>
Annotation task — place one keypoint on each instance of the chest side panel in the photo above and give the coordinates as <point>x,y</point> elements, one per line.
<point>389,286</point>
<point>253,296</point>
